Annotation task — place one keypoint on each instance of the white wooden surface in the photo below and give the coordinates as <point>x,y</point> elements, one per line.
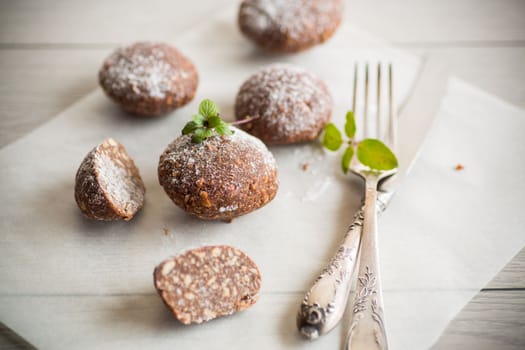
<point>50,52</point>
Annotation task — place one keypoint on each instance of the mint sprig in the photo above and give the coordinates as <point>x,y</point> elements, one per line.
<point>206,123</point>
<point>370,152</point>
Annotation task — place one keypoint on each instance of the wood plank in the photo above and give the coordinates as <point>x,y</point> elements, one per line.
<point>9,340</point>
<point>142,321</point>
<point>63,21</point>
<point>403,21</point>
<point>492,320</point>
<point>38,84</point>
<point>450,21</point>
<point>512,276</point>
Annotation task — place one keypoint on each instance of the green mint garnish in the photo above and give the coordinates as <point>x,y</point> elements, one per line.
<point>376,155</point>
<point>370,152</point>
<point>332,138</point>
<point>208,108</point>
<point>206,123</point>
<point>190,127</point>
<point>199,119</point>
<point>347,158</point>
<point>224,129</point>
<point>202,134</point>
<point>350,126</point>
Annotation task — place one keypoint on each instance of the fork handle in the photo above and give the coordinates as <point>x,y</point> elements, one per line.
<point>325,302</point>
<point>367,329</point>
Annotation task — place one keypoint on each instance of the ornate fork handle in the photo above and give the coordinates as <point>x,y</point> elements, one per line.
<point>325,302</point>
<point>367,329</point>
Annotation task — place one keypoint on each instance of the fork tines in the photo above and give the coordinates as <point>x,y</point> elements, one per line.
<point>362,111</point>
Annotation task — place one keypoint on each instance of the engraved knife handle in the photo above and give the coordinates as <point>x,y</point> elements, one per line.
<point>324,304</point>
<point>367,329</point>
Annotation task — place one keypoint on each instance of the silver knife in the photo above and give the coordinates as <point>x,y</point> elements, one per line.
<point>324,304</point>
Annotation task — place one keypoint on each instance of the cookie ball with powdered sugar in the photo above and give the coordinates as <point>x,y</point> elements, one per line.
<point>288,104</point>
<point>221,178</point>
<point>149,79</point>
<point>289,25</point>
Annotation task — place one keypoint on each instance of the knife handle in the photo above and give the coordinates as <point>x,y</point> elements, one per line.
<point>325,302</point>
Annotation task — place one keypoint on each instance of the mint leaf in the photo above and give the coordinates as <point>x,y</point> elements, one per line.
<point>347,158</point>
<point>197,138</point>
<point>214,121</point>
<point>199,119</point>
<point>208,108</point>
<point>190,127</point>
<point>332,138</point>
<point>224,129</point>
<point>201,134</point>
<point>376,155</point>
<point>350,126</point>
<point>206,123</point>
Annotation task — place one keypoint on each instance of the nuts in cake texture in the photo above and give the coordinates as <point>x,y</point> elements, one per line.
<point>289,25</point>
<point>108,185</point>
<point>289,105</point>
<point>208,282</point>
<point>149,79</point>
<point>221,178</point>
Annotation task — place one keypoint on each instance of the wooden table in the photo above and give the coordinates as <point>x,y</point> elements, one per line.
<point>50,51</point>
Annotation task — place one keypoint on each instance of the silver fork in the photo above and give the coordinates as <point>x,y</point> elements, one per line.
<point>324,304</point>
<point>367,329</point>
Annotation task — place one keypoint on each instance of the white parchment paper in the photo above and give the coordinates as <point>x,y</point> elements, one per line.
<point>67,282</point>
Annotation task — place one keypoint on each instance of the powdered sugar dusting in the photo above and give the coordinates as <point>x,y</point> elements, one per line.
<point>143,68</point>
<point>290,102</point>
<point>228,208</point>
<point>267,158</point>
<point>214,157</point>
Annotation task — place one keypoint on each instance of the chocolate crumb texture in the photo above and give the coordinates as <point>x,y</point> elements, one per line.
<point>149,79</point>
<point>208,282</point>
<point>108,185</point>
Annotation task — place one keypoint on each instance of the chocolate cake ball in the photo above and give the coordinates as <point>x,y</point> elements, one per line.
<point>289,25</point>
<point>220,178</point>
<point>290,105</point>
<point>149,79</point>
<point>108,185</point>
